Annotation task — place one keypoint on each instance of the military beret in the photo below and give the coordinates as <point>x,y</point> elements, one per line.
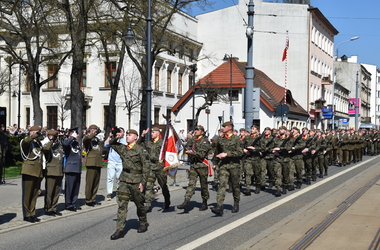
<point>93,126</point>
<point>52,132</point>
<point>35,128</point>
<point>155,129</point>
<point>295,128</point>
<point>268,128</point>
<point>199,127</point>
<point>227,124</point>
<point>254,126</point>
<point>132,131</point>
<point>283,127</point>
<point>305,128</point>
<point>242,129</point>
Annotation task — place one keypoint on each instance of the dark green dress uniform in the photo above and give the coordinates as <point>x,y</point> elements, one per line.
<point>53,176</point>
<point>136,168</point>
<point>229,169</point>
<point>199,147</point>
<point>157,172</point>
<point>94,149</point>
<point>31,175</point>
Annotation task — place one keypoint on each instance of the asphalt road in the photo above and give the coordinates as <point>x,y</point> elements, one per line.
<point>259,215</point>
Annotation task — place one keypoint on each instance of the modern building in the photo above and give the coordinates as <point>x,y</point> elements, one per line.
<point>375,93</point>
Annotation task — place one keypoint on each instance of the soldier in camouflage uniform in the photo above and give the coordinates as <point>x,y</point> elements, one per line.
<point>154,147</point>
<point>252,163</point>
<point>197,149</point>
<point>297,146</point>
<point>266,148</point>
<point>307,138</point>
<point>282,147</point>
<point>133,179</point>
<point>215,160</point>
<point>322,154</point>
<point>229,152</point>
<point>345,146</point>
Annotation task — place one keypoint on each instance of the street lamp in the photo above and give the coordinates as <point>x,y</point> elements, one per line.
<point>334,79</point>
<point>128,38</point>
<point>229,58</point>
<point>193,69</point>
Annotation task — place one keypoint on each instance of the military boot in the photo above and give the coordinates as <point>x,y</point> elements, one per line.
<point>247,191</point>
<point>326,174</point>
<point>235,209</point>
<point>185,205</point>
<point>257,190</point>
<point>308,181</point>
<point>299,184</point>
<point>166,204</point>
<point>117,235</point>
<point>278,193</point>
<point>218,210</point>
<point>203,206</point>
<point>290,187</point>
<point>284,190</point>
<point>314,178</point>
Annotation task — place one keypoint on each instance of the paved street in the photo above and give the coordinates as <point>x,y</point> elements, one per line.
<point>263,222</point>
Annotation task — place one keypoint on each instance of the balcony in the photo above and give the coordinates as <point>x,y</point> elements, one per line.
<point>326,80</point>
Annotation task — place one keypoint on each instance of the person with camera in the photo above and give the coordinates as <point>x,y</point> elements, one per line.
<point>53,173</point>
<point>31,172</point>
<point>73,169</point>
<point>115,165</point>
<point>94,151</point>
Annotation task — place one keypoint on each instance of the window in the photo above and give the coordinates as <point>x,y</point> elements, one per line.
<point>27,118</point>
<point>169,113</point>
<point>83,79</point>
<point>110,69</point>
<point>106,116</point>
<point>169,81</point>
<point>191,83</point>
<point>52,117</point>
<point>157,78</point>
<point>235,95</point>
<point>52,69</point>
<point>180,75</point>
<point>156,115</point>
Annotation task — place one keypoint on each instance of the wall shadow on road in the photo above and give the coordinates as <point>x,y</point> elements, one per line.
<point>7,217</point>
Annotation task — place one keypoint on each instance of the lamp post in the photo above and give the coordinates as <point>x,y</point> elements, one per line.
<point>129,37</point>
<point>334,79</point>
<point>193,69</point>
<point>229,58</point>
<point>357,102</point>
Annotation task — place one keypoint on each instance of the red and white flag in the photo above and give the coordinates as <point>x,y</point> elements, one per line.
<point>169,151</point>
<point>285,54</point>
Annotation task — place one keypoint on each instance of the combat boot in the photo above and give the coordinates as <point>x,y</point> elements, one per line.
<point>326,174</point>
<point>284,190</point>
<point>218,210</point>
<point>185,205</point>
<point>290,187</point>
<point>278,193</point>
<point>299,184</point>
<point>235,209</point>
<point>247,192</point>
<point>117,235</point>
<point>143,228</point>
<point>270,185</point>
<point>314,178</point>
<point>308,181</point>
<point>203,206</point>
<point>257,190</point>
<point>166,204</point>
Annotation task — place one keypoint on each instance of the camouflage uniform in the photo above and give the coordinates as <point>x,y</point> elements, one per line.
<point>252,164</point>
<point>266,147</point>
<point>200,148</point>
<point>229,167</point>
<point>297,157</point>
<point>321,155</point>
<point>157,171</point>
<point>307,157</point>
<point>316,145</point>
<point>136,168</point>
<point>286,173</point>
<point>345,147</point>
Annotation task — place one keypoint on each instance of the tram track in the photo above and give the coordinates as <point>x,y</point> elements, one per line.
<point>316,232</point>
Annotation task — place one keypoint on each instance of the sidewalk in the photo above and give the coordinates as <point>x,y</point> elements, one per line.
<point>11,216</point>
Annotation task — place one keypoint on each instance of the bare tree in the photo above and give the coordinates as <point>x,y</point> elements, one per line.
<point>132,95</point>
<point>61,101</point>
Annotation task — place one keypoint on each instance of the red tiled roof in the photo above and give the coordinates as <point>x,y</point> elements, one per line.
<point>271,94</point>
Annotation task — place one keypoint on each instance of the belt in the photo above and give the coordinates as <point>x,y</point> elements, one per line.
<point>131,171</point>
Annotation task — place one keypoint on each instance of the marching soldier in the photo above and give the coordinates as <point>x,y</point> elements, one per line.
<point>307,138</point>
<point>215,160</point>
<point>53,173</point>
<point>94,149</point>
<point>296,154</point>
<point>266,147</point>
<point>133,179</point>
<point>153,147</point>
<point>197,148</point>
<point>345,147</point>
<point>31,171</point>
<point>229,152</point>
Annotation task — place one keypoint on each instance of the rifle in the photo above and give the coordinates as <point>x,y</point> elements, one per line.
<point>282,144</point>
<point>264,153</point>
<point>251,151</point>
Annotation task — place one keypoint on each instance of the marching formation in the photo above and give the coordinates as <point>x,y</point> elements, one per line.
<point>247,163</point>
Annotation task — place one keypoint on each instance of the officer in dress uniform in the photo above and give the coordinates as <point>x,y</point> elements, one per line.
<point>53,173</point>
<point>73,169</point>
<point>133,179</point>
<point>154,147</point>
<point>229,152</point>
<point>31,171</point>
<point>94,149</point>
<point>197,148</point>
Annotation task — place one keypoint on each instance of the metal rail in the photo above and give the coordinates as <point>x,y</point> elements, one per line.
<point>313,234</point>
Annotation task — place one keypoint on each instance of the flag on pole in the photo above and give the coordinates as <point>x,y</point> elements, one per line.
<point>169,151</point>
<point>285,54</point>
